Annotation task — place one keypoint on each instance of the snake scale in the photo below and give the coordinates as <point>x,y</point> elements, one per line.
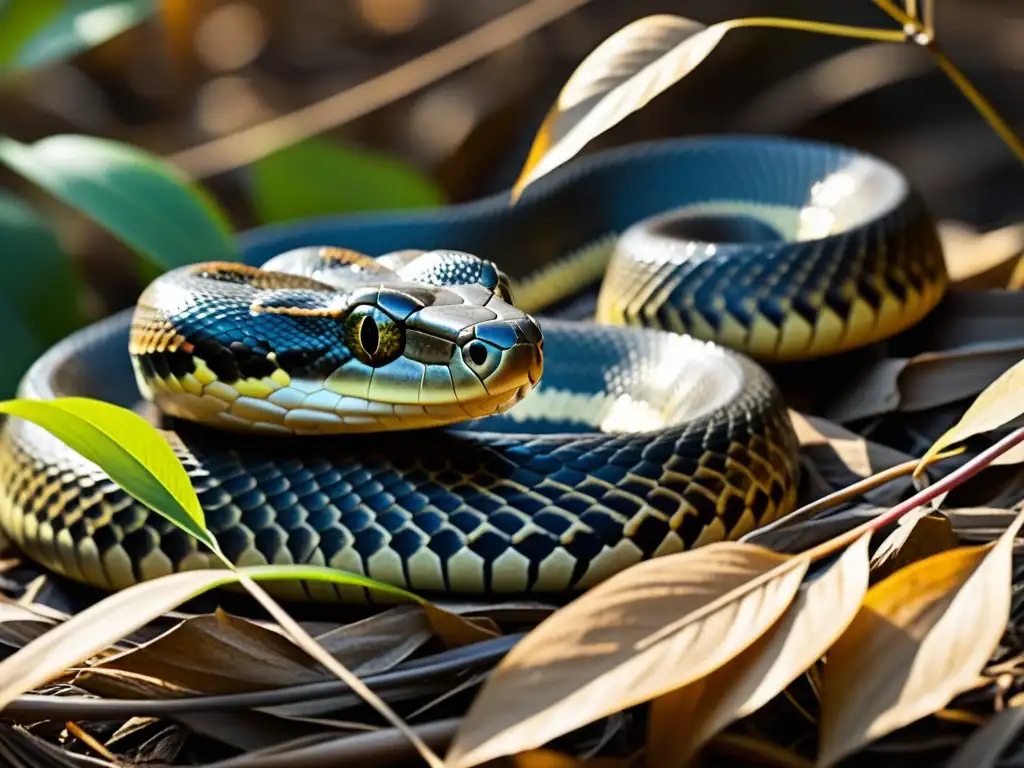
<point>369,392</point>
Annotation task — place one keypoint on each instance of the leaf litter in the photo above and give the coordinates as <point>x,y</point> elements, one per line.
<point>903,642</point>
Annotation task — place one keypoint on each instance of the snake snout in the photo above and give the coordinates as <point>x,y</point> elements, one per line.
<point>506,356</point>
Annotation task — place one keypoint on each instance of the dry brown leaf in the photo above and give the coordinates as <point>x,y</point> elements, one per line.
<point>968,342</point>
<point>920,534</point>
<point>455,630</point>
<point>925,381</point>
<point>922,636</point>
<point>379,642</point>
<point>648,630</point>
<point>19,625</point>
<point>1000,403</point>
<point>96,628</point>
<point>821,611</point>
<point>620,76</point>
<point>842,457</point>
<point>809,533</point>
<point>219,653</point>
<point>980,261</point>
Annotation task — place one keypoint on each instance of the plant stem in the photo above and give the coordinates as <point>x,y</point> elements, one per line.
<point>314,649</point>
<point>912,27</point>
<point>979,102</point>
<point>945,484</point>
<point>821,27</point>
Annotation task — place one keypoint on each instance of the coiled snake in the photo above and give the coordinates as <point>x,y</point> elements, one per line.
<point>300,388</point>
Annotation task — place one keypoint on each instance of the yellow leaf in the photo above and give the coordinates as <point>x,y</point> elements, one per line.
<point>619,77</point>
<point>821,611</point>
<point>922,636</point>
<point>1001,402</point>
<point>920,534</point>
<point>648,630</point>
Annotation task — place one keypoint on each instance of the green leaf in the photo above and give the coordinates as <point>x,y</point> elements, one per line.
<point>36,277</point>
<point>38,32</point>
<point>141,200</point>
<point>127,448</point>
<point>318,177</point>
<point>20,21</point>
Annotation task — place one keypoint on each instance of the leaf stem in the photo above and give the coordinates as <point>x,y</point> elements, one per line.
<point>314,649</point>
<point>912,28</point>
<point>822,28</point>
<point>943,485</point>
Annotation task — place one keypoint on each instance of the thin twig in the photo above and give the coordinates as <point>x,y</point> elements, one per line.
<point>88,739</point>
<point>250,144</point>
<point>928,18</point>
<point>821,28</point>
<point>314,649</point>
<point>943,485</point>
<point>924,35</point>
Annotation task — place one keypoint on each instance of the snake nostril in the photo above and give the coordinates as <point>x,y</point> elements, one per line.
<point>477,353</point>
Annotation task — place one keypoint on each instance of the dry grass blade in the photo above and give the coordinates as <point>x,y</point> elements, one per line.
<point>922,636</point>
<point>649,630</point>
<point>1000,403</point>
<point>620,76</point>
<point>818,615</point>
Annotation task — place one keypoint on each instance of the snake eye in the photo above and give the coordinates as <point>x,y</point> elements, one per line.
<point>372,336</point>
<point>482,358</point>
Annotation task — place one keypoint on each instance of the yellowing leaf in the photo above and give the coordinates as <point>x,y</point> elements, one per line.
<point>1001,402</point>
<point>127,448</point>
<point>922,636</point>
<point>620,76</point>
<point>644,632</point>
<point>821,611</point>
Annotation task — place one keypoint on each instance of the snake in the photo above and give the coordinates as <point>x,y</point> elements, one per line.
<point>486,398</point>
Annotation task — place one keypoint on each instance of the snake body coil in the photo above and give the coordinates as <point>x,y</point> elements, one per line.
<point>305,390</point>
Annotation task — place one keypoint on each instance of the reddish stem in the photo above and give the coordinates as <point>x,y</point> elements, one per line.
<point>947,483</point>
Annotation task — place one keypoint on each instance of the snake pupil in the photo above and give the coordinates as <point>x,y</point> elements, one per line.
<point>478,353</point>
<point>369,336</point>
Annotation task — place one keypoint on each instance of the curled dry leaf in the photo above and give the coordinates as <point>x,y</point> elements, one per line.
<point>648,630</point>
<point>821,611</point>
<point>1000,403</point>
<point>922,636</point>
<point>219,653</point>
<point>620,76</point>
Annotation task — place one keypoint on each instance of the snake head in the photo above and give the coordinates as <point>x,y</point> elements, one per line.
<point>322,342</point>
<point>434,354</point>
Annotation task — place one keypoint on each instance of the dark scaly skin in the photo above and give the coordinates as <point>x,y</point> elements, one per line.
<point>555,502</point>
